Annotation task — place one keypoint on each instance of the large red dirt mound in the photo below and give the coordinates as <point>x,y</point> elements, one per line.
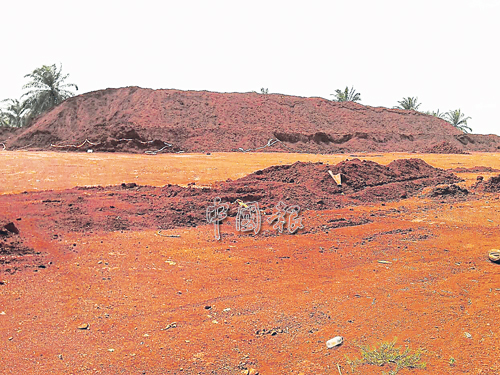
<point>133,119</point>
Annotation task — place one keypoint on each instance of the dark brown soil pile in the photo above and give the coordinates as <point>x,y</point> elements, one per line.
<point>477,169</point>
<point>452,190</point>
<point>445,148</point>
<point>492,185</point>
<point>308,185</point>
<point>133,119</point>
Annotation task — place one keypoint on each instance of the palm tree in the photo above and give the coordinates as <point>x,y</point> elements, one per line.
<point>47,89</point>
<point>13,114</point>
<point>409,103</point>
<point>458,120</point>
<point>347,95</point>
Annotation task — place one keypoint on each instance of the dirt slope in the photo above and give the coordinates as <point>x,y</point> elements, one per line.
<point>134,119</point>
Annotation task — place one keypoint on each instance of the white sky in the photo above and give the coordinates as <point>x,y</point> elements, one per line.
<point>445,52</point>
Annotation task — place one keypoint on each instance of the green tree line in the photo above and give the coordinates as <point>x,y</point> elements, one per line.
<point>46,89</point>
<point>455,117</point>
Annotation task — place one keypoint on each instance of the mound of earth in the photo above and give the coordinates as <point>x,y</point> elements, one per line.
<point>492,185</point>
<point>446,190</point>
<point>445,148</point>
<point>477,169</point>
<point>133,119</point>
<point>309,185</point>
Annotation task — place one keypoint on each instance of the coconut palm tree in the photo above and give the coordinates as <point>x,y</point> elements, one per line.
<point>13,114</point>
<point>410,103</point>
<point>46,89</point>
<point>347,95</point>
<point>458,120</point>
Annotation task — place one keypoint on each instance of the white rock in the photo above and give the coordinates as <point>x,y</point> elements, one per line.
<point>334,342</point>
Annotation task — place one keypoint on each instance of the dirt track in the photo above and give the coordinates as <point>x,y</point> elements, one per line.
<point>130,284</point>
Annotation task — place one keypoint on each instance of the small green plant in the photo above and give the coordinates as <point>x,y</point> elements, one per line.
<point>437,114</point>
<point>264,90</point>
<point>388,354</point>
<point>452,361</point>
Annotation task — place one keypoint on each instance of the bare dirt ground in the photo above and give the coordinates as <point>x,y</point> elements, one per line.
<point>415,269</point>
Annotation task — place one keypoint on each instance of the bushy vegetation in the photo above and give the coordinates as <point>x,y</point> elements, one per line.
<point>388,354</point>
<point>454,117</point>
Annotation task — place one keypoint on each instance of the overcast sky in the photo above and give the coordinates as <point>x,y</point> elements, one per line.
<point>444,52</point>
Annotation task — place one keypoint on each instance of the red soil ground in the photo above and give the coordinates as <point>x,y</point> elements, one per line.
<point>370,270</point>
<point>133,119</point>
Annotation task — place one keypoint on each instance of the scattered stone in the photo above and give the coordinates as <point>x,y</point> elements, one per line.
<point>171,325</point>
<point>10,227</point>
<point>494,255</point>
<point>272,332</point>
<point>84,326</point>
<point>336,341</point>
<point>467,335</point>
<point>111,350</point>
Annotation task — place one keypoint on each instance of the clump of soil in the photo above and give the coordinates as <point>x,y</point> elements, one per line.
<point>492,185</point>
<point>12,247</point>
<point>446,190</point>
<point>134,119</point>
<point>445,148</point>
<point>308,185</point>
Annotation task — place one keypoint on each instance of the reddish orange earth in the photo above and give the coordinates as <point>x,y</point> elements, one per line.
<point>133,301</point>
